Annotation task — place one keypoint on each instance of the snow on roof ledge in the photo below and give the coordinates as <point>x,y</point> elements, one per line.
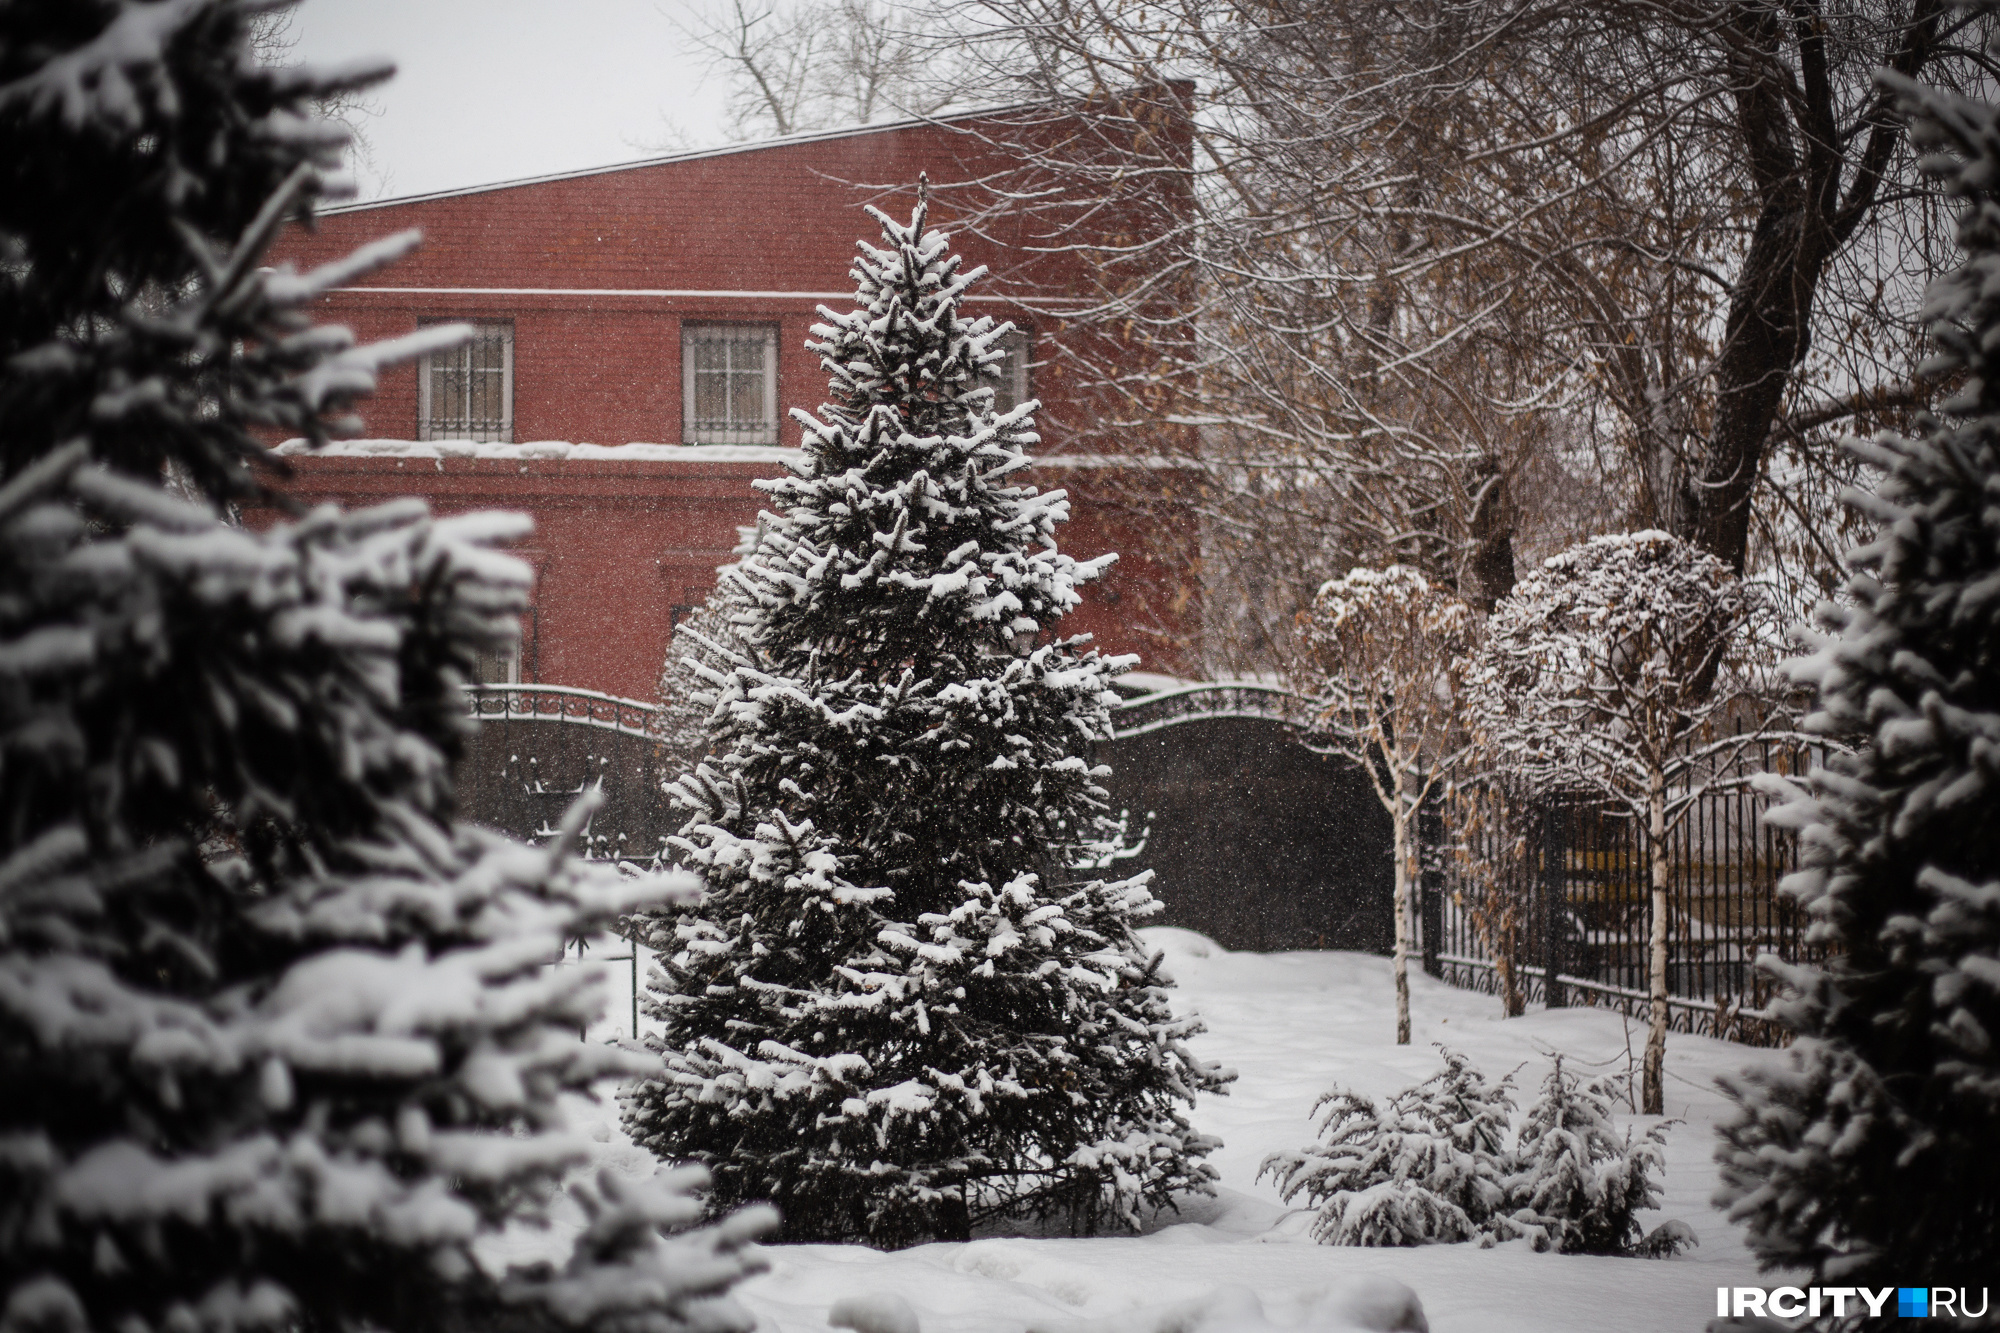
<point>532,450</point>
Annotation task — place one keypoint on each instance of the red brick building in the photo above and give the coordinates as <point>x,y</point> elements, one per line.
<point>651,318</point>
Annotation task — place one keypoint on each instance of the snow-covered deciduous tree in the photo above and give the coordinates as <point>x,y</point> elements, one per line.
<point>902,1008</point>
<point>1627,668</point>
<point>279,1044</point>
<point>1578,1185</point>
<point>1428,1167</point>
<point>1870,1153</point>
<point>1388,653</point>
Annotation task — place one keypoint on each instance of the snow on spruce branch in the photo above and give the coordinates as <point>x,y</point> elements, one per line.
<point>282,1044</point>
<point>908,1003</point>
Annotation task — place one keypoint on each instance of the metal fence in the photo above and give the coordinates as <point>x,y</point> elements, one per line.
<point>562,703</point>
<point>1551,899</point>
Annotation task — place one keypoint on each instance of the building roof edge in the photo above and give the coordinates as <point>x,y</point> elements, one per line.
<point>670,159</point>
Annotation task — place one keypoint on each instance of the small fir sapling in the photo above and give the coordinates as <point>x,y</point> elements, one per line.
<point>1869,1154</point>
<point>1428,1167</point>
<point>1627,668</point>
<point>1578,1185</point>
<point>279,1044</point>
<point>1386,653</point>
<point>1439,1164</point>
<point>902,1007</point>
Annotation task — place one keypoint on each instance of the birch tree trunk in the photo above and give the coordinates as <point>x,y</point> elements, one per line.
<point>1654,1094</point>
<point>1405,816</point>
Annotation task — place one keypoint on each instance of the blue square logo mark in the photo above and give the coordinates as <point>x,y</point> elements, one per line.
<point>1913,1302</point>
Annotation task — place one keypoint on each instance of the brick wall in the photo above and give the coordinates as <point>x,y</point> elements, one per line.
<point>597,272</point>
<point>623,547</point>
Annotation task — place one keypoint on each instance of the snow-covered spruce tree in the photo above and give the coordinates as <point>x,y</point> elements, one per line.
<point>1387,653</point>
<point>1626,668</point>
<point>1578,1185</point>
<point>1869,1155</point>
<point>1430,1167</point>
<point>900,1008</point>
<point>278,1045</point>
<point>706,642</point>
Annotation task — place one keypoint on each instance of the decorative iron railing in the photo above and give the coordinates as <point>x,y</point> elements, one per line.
<point>1536,884</point>
<point>563,703</point>
<point>1135,717</point>
<point>1218,699</point>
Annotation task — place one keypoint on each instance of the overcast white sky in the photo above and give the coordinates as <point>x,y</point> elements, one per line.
<point>489,90</point>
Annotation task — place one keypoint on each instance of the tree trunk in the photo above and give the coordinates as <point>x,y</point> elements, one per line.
<point>1766,337</point>
<point>1799,159</point>
<point>1490,568</point>
<point>1656,961</point>
<point>1512,1003</point>
<point>1406,814</point>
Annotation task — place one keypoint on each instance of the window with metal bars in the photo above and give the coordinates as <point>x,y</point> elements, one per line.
<point>729,383</point>
<point>467,393</point>
<point>1012,390</point>
<point>512,664</point>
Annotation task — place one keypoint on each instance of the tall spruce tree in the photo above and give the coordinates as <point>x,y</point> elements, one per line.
<point>1868,1156</point>
<point>279,1045</point>
<point>902,1007</point>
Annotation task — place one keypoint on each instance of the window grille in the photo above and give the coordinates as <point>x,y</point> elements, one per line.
<point>467,393</point>
<point>729,383</point>
<point>1012,389</point>
<point>499,666</point>
<point>513,664</point>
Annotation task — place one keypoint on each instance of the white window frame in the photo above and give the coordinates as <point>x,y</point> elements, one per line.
<point>501,432</point>
<point>734,335</point>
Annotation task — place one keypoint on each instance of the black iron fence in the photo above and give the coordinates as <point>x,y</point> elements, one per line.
<point>1548,901</point>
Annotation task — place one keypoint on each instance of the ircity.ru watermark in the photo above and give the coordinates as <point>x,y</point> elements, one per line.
<point>1812,1302</point>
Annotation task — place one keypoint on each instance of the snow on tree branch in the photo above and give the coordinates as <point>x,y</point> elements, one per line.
<point>908,1005</point>
<point>1388,655</point>
<point>279,1036</point>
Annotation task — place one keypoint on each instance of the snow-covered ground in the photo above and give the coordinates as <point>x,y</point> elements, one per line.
<point>1292,1025</point>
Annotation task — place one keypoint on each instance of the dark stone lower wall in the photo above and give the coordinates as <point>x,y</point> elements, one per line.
<point>1254,839</point>
<point>520,775</point>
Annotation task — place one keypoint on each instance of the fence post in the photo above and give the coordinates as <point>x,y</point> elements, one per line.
<point>1555,894</point>
<point>1430,851</point>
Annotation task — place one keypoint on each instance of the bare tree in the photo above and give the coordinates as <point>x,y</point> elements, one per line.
<point>1389,651</point>
<point>794,65</point>
<point>1625,668</point>
<point>274,40</point>
<point>1432,249</point>
<point>1449,283</point>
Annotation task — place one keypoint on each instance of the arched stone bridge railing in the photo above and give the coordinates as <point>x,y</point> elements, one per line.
<point>1135,717</point>
<point>562,703</point>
